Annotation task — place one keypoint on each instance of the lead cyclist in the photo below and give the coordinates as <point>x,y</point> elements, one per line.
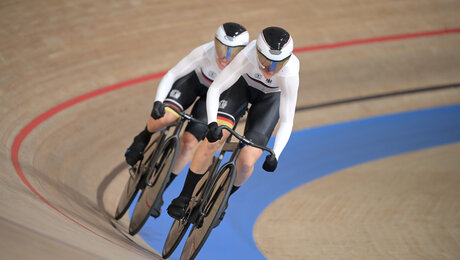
<point>265,74</point>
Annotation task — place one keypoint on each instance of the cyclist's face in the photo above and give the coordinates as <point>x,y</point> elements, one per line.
<point>225,54</point>
<point>269,67</point>
<point>222,63</point>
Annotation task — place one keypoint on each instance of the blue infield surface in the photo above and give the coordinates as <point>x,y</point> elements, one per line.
<point>309,155</point>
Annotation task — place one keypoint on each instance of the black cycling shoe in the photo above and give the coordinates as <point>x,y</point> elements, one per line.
<point>135,152</point>
<point>178,207</point>
<point>156,211</point>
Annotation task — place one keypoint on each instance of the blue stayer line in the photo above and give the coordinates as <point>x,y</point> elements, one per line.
<point>310,154</point>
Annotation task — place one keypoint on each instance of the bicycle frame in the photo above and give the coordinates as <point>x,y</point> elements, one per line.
<point>211,200</point>
<point>176,135</point>
<point>235,148</point>
<point>138,169</point>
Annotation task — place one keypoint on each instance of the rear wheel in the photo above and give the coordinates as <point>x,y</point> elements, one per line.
<point>136,175</point>
<point>213,208</point>
<point>151,196</point>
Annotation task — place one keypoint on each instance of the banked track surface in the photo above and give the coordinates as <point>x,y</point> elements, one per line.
<point>51,144</point>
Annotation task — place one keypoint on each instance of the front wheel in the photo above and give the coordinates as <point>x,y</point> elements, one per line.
<point>180,227</point>
<point>175,235</point>
<point>212,208</point>
<point>129,193</point>
<point>136,176</point>
<point>152,196</point>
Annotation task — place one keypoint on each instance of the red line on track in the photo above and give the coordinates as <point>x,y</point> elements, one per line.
<point>377,39</point>
<point>43,117</point>
<point>53,111</point>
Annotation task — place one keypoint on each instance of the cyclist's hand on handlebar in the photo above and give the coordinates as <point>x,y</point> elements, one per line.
<point>158,110</point>
<point>270,163</point>
<point>214,132</point>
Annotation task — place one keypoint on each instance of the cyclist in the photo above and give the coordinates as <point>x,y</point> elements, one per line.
<point>182,85</point>
<point>266,75</point>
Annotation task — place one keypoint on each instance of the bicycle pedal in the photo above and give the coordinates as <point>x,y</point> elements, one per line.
<point>132,172</point>
<point>196,219</point>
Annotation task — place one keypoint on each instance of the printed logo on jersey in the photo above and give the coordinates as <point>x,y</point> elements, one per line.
<point>258,76</point>
<point>175,93</point>
<point>212,74</point>
<point>264,85</point>
<point>223,104</point>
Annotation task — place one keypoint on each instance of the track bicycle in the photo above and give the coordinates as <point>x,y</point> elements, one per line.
<point>209,200</point>
<point>151,198</point>
<point>152,174</point>
<point>137,173</point>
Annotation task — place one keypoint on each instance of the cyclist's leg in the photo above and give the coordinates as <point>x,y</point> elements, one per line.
<point>135,151</point>
<point>188,143</point>
<point>233,105</point>
<point>204,154</point>
<point>200,163</point>
<point>182,95</point>
<point>193,134</point>
<point>262,119</point>
<point>245,164</point>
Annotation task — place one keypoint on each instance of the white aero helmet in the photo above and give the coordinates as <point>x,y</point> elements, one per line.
<point>230,39</point>
<point>274,48</point>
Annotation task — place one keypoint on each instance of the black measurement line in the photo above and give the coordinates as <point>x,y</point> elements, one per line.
<point>397,93</point>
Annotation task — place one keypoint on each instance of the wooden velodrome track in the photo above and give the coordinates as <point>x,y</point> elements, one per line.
<point>52,204</point>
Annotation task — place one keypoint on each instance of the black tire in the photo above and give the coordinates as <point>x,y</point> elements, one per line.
<point>180,227</point>
<point>128,194</point>
<point>133,184</point>
<point>213,208</point>
<point>175,235</point>
<point>151,196</point>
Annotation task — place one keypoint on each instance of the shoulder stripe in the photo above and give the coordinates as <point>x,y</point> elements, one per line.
<point>206,78</point>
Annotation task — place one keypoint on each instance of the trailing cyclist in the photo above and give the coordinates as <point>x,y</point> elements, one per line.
<point>182,85</point>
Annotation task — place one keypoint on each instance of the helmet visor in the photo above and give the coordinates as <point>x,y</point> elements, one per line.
<point>270,66</point>
<point>224,51</point>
